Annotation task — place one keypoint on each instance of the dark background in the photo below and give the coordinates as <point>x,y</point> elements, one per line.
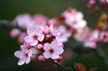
<point>51,8</point>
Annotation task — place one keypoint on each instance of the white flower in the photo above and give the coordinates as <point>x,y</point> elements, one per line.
<point>25,55</point>
<point>90,44</point>
<point>23,20</point>
<point>53,50</point>
<point>35,34</point>
<point>92,39</point>
<point>74,19</point>
<point>60,33</point>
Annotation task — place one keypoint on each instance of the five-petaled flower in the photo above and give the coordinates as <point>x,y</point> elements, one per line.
<point>35,34</point>
<point>25,55</point>
<point>61,34</point>
<point>74,19</point>
<point>53,50</point>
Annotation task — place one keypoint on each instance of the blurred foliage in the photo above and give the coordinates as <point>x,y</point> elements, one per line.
<point>51,8</point>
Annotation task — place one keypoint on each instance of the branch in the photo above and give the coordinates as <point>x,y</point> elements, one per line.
<point>61,66</point>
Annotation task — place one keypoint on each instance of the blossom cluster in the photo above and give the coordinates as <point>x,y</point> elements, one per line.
<point>44,38</point>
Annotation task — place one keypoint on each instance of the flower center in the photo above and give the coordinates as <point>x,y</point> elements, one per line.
<point>35,37</point>
<point>74,22</point>
<point>26,54</point>
<point>51,51</point>
<point>105,36</point>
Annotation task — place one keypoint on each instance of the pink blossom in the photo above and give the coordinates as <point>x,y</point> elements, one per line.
<point>74,19</point>
<point>61,33</point>
<point>40,19</point>
<point>21,37</point>
<point>41,58</point>
<point>52,21</point>
<point>103,2</point>
<point>53,50</point>
<point>35,34</point>
<point>15,32</point>
<point>90,44</point>
<point>92,39</point>
<point>82,34</point>
<point>92,2</point>
<point>39,46</point>
<point>46,30</point>
<point>103,36</point>
<point>23,20</point>
<point>25,55</point>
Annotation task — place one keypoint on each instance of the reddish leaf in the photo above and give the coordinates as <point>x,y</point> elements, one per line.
<point>80,67</point>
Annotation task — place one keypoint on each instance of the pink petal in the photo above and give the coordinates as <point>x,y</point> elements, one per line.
<point>18,54</point>
<point>21,62</point>
<point>46,46</point>
<point>34,43</point>
<point>28,60</point>
<point>54,56</point>
<point>41,37</point>
<point>46,55</point>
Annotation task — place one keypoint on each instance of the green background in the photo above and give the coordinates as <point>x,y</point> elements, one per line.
<point>51,8</point>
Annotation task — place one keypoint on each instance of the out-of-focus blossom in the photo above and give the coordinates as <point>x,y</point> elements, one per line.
<point>25,55</point>
<point>90,44</point>
<point>92,2</point>
<point>40,57</point>
<point>39,46</point>
<point>21,37</point>
<point>74,19</point>
<point>53,21</point>
<point>23,20</point>
<point>82,34</point>
<point>103,3</point>
<point>15,32</point>
<point>103,37</point>
<point>53,50</point>
<point>35,34</point>
<point>40,19</point>
<point>60,33</point>
<point>92,39</point>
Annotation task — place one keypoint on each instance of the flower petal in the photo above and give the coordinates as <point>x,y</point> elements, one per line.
<point>28,60</point>
<point>21,62</point>
<point>18,54</point>
<point>46,55</point>
<point>46,46</point>
<point>34,43</point>
<point>54,56</point>
<point>40,37</point>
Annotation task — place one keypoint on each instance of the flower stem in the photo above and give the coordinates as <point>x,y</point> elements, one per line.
<point>61,66</point>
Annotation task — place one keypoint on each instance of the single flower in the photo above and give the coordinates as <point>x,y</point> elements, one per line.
<point>53,50</point>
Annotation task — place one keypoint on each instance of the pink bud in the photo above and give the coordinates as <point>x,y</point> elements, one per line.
<point>102,2</point>
<point>21,37</point>
<point>93,45</point>
<point>39,46</point>
<point>15,32</point>
<point>27,45</point>
<point>61,45</point>
<point>40,19</point>
<point>60,58</point>
<point>53,21</point>
<point>47,30</point>
<point>40,58</point>
<point>92,2</point>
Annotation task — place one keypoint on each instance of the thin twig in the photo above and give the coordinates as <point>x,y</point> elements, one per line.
<point>61,66</point>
